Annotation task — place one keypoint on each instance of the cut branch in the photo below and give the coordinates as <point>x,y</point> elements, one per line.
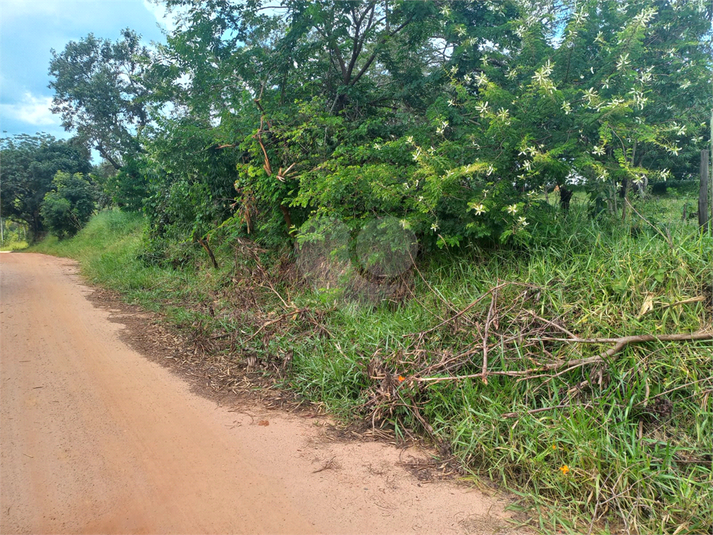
<point>619,345</point>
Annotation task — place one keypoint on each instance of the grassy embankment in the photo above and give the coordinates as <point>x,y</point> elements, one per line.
<point>591,440</point>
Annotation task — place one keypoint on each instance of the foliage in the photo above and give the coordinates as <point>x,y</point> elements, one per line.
<point>103,91</point>
<point>29,164</point>
<point>69,205</point>
<point>451,117</point>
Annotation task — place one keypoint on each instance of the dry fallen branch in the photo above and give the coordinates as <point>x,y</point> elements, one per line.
<point>466,309</point>
<point>544,409</point>
<point>619,345</point>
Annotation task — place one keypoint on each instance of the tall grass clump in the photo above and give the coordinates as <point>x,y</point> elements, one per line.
<point>623,443</point>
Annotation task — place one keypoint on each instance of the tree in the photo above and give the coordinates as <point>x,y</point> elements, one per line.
<point>29,164</point>
<point>103,90</point>
<point>69,205</point>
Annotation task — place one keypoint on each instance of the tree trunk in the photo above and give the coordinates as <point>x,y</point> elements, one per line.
<point>205,245</point>
<point>703,200</point>
<point>565,198</point>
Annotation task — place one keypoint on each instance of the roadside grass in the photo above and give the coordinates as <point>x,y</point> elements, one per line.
<point>14,246</point>
<point>621,445</point>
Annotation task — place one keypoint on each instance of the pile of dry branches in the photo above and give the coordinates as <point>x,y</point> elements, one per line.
<point>498,334</point>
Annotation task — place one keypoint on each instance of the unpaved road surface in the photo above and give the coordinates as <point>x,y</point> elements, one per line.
<point>95,438</point>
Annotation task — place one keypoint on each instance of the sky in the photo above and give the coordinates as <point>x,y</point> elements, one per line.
<point>30,28</point>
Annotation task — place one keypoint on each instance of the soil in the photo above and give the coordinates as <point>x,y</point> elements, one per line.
<point>106,427</point>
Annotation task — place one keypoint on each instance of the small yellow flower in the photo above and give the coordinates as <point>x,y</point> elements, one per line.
<point>554,446</point>
<point>564,469</point>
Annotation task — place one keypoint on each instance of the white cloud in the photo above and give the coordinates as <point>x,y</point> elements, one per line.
<point>165,19</point>
<point>31,110</point>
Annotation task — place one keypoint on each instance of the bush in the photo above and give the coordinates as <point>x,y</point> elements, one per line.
<point>69,205</point>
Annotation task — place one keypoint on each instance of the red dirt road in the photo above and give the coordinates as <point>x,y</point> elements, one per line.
<point>95,438</point>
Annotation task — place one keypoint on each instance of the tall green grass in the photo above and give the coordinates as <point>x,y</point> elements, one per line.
<point>630,452</point>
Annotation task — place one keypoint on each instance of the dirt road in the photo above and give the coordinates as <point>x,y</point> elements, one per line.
<point>95,438</point>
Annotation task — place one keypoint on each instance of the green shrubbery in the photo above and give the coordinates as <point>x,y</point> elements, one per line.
<point>69,204</point>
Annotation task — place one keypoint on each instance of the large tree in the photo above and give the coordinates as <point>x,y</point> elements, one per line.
<point>103,91</point>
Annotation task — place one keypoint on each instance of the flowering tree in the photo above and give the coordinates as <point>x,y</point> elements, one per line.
<point>452,116</point>
<point>605,93</point>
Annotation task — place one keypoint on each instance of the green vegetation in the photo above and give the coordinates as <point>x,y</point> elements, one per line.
<point>620,443</point>
<point>29,165</point>
<point>69,205</point>
<point>356,199</point>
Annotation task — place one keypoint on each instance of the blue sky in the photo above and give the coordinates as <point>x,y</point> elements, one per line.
<point>30,28</point>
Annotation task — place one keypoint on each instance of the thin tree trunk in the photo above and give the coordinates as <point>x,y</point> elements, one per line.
<point>205,245</point>
<point>703,200</point>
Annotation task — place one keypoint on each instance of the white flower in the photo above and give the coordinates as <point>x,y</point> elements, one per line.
<point>446,11</point>
<point>522,221</point>
<point>645,76</point>
<point>482,107</point>
<point>377,146</point>
<point>442,128</point>
<point>479,209</point>
<point>598,151</point>
<point>603,176</point>
<point>541,77</point>
<point>481,79</point>
<point>504,115</point>
<point>451,102</point>
<point>434,227</point>
<point>581,16</point>
<point>665,174</point>
<point>590,94</point>
<point>406,185</point>
<point>645,17</point>
<point>405,224</point>
<point>528,150</point>
<point>490,170</point>
<point>417,154</point>
<point>674,149</point>
<point>512,209</point>
<point>527,164</point>
<point>622,62</point>
<point>685,84</point>
<point>567,107</point>
<point>409,140</point>
<point>512,73</point>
